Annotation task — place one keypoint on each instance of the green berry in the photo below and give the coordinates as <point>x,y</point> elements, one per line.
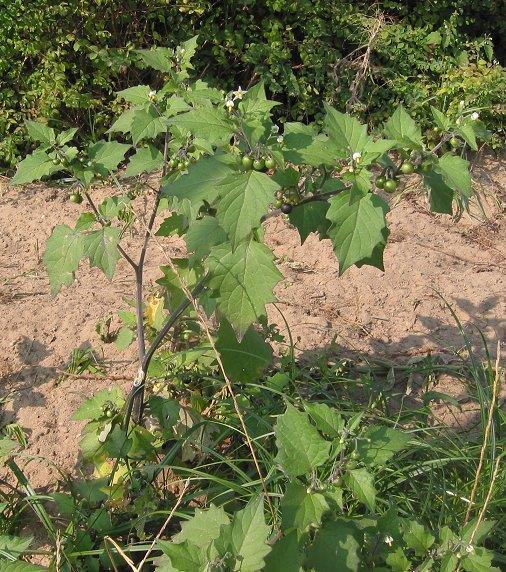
<point>380,182</point>
<point>407,168</point>
<point>247,162</point>
<point>76,198</point>
<point>390,186</point>
<point>259,164</point>
<point>454,142</point>
<point>270,163</point>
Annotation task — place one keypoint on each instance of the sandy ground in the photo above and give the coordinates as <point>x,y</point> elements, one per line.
<point>396,313</point>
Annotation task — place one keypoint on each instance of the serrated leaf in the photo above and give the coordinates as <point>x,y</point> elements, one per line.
<point>138,94</point>
<point>302,145</point>
<point>243,361</point>
<point>123,123</point>
<point>112,206</point>
<point>146,124</point>
<point>200,184</point>
<point>124,338</point>
<point>14,545</point>
<point>361,484</point>
<point>398,561</point>
<point>480,560</point>
<point>244,199</point>
<point>248,536</point>
<point>241,297</point>
<point>180,558</point>
<point>336,547</point>
<point>92,408</point>
<point>301,449</point>
<point>174,224</point>
<point>285,555</point>
<point>466,131</point>
<point>64,250</point>
<point>33,167</point>
<point>209,123</point>
<point>327,420</point>
<point>108,154</point>
<point>65,137</point>
<point>40,132</point>
<point>346,132</point>
<point>440,196</point>
<point>255,102</point>
<point>440,119</point>
<point>417,537</point>
<point>145,160</point>
<point>375,149</point>
<point>379,444</point>
<point>101,247</point>
<point>449,562</point>
<point>117,444</point>
<point>403,129</point>
<point>357,229</point>
<point>455,173</point>
<point>202,235</point>
<point>203,527</point>
<point>157,58</point>
<point>479,532</point>
<point>310,217</point>
<point>301,509</point>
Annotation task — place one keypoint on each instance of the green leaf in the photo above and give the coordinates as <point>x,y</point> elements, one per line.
<point>480,560</point>
<point>108,154</point>
<point>174,224</point>
<point>138,94</point>
<point>466,131</point>
<point>209,123</point>
<point>112,206</point>
<point>101,247</point>
<point>166,411</point>
<point>243,361</point>
<point>336,547</point>
<point>202,235</point>
<point>203,528</point>
<point>417,537</point>
<point>146,124</point>
<point>346,132</point>
<point>241,297</point>
<point>159,59</point>
<point>117,444</point>
<point>7,446</point>
<point>145,160</point>
<point>455,173</point>
<point>244,199</point>
<point>285,555</point>
<point>302,145</point>
<point>358,229</point>
<point>255,102</point>
<point>379,444</point>
<point>449,562</point>
<point>440,119</point>
<point>124,338</point>
<point>479,533</point>
<point>180,558</point>
<point>361,484</point>
<point>440,196</point>
<point>200,184</point>
<point>40,132</point>
<point>397,561</point>
<point>301,509</point>
<point>403,129</point>
<point>64,250</point>
<point>328,420</point>
<point>248,536</point>
<point>310,217</point>
<point>123,123</point>
<point>92,408</point>
<point>301,449</point>
<point>14,545</point>
<point>33,167</point>
<point>374,149</point>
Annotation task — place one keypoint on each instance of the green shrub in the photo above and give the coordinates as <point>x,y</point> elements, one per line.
<point>64,61</point>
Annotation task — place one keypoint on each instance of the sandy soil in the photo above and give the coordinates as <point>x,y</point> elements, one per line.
<point>397,313</point>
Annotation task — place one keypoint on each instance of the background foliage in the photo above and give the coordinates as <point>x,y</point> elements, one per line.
<point>64,60</point>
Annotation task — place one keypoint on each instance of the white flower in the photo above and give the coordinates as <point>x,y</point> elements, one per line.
<point>275,128</point>
<point>238,93</point>
<point>469,548</point>
<point>229,104</point>
<point>351,169</point>
<point>280,139</point>
<point>475,115</point>
<point>151,94</point>
<point>389,540</point>
<point>356,156</point>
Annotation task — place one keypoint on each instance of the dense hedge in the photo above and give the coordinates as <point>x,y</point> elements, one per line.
<point>65,59</point>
